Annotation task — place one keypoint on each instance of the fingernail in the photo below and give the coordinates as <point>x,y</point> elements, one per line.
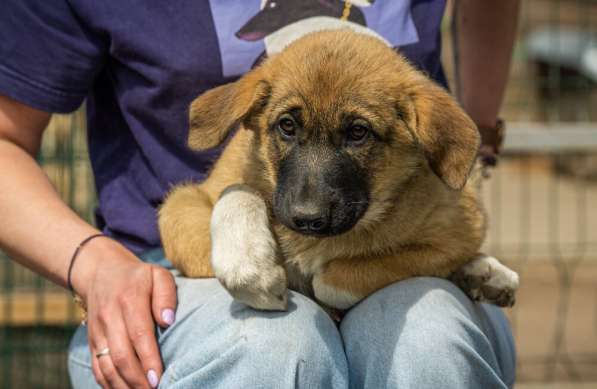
<point>152,377</point>
<point>168,316</point>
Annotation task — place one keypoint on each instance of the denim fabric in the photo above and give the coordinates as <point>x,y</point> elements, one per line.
<point>418,333</point>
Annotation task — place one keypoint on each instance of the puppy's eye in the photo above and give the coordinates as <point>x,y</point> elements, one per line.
<point>287,127</point>
<point>357,133</point>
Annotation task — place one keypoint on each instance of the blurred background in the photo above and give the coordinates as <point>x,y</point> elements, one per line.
<point>542,202</point>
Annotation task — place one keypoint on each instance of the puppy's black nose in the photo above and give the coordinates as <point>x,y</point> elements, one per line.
<point>316,224</point>
<point>312,221</point>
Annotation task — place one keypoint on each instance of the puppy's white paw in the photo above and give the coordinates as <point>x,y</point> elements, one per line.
<point>485,279</point>
<point>332,297</point>
<point>267,292</point>
<point>244,251</point>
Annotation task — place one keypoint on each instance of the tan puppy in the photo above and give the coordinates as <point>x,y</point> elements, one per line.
<point>348,173</point>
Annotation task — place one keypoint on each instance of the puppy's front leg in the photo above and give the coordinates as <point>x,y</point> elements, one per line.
<point>244,251</point>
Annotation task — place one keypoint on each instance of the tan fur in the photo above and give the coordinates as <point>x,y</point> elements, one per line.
<point>184,218</point>
<point>424,217</point>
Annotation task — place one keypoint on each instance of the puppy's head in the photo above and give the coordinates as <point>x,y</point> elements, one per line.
<point>342,124</point>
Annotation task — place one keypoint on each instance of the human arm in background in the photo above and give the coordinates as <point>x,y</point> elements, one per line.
<point>123,295</point>
<point>484,32</point>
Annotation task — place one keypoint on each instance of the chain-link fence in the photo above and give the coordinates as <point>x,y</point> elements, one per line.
<point>542,202</point>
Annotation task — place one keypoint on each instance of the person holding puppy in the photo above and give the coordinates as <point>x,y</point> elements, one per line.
<point>139,73</point>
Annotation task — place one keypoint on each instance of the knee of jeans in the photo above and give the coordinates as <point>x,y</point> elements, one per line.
<point>304,331</point>
<point>300,345</point>
<point>422,326</point>
<point>412,297</point>
<point>422,314</point>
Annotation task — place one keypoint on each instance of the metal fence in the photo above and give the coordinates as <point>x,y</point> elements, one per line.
<point>542,202</point>
<point>543,199</point>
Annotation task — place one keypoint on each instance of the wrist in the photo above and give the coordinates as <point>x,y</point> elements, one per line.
<point>492,138</point>
<point>481,115</point>
<point>91,256</point>
<point>487,122</point>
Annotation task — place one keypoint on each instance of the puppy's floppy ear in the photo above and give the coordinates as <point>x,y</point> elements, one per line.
<point>448,136</point>
<point>216,112</point>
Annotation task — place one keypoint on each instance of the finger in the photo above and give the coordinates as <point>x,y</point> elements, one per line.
<point>97,372</point>
<point>104,370</point>
<point>109,371</point>
<point>141,331</point>
<point>163,298</point>
<point>123,363</point>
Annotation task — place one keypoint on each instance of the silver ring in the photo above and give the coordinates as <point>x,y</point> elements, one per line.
<point>105,351</point>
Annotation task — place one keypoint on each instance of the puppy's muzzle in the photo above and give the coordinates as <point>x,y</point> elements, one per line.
<point>320,191</point>
<point>326,219</point>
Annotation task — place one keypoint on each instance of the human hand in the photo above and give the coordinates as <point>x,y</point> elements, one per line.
<point>123,296</point>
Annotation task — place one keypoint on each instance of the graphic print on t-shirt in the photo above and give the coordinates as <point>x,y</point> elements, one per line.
<point>261,27</point>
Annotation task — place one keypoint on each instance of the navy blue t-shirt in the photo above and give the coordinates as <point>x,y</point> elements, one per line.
<point>139,63</point>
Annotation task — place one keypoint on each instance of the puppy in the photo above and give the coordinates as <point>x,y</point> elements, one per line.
<point>349,171</point>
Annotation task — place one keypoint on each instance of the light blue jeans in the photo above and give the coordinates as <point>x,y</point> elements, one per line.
<point>419,333</point>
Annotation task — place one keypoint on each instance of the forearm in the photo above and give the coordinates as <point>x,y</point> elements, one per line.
<point>38,229</point>
<point>484,37</point>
